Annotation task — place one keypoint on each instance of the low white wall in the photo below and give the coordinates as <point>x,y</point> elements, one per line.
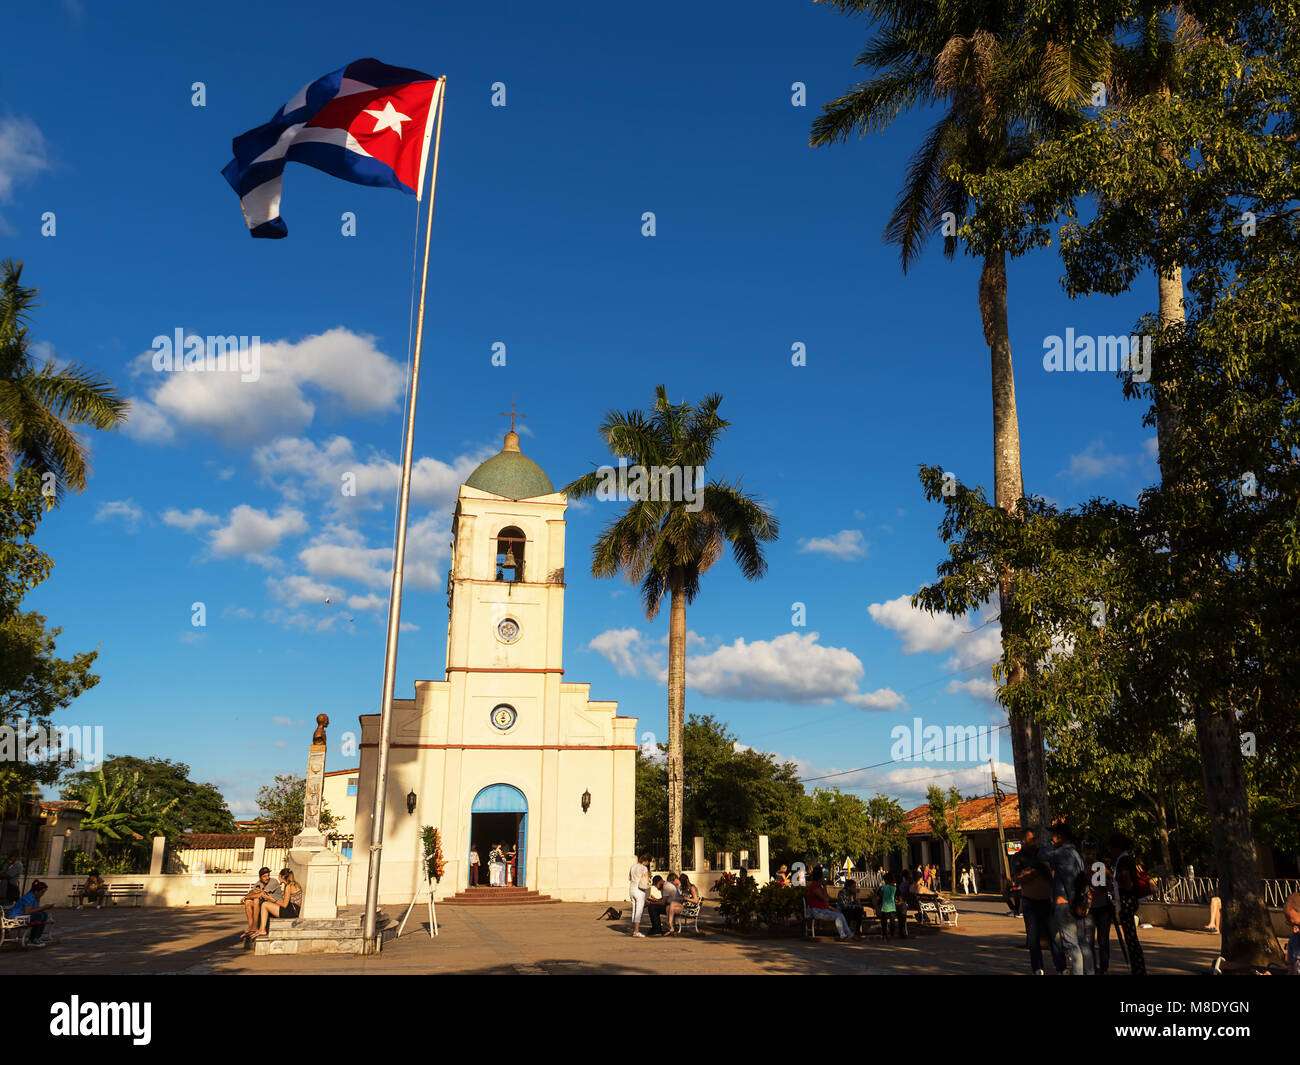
<point>169,890</point>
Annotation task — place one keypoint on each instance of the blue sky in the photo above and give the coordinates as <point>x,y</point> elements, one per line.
<point>226,494</point>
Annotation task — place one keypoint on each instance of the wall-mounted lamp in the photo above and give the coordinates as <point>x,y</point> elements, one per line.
<point>410,802</point>
<point>586,801</point>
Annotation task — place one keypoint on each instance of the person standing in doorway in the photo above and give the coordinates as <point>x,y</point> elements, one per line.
<point>511,858</point>
<point>638,883</point>
<point>473,865</point>
<point>497,865</point>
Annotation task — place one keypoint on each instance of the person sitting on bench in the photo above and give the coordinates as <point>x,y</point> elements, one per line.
<point>265,890</point>
<point>29,906</point>
<point>94,890</point>
<point>291,891</point>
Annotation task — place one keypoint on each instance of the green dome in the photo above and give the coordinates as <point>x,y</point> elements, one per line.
<point>511,474</point>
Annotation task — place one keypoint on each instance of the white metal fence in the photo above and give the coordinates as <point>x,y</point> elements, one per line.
<point>1200,889</point>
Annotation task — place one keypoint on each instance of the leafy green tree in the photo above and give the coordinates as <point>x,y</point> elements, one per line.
<point>836,825</point>
<point>962,61</point>
<point>281,806</point>
<point>666,540</point>
<point>886,828</point>
<point>34,682</point>
<point>40,405</point>
<point>124,815</point>
<point>735,794</point>
<point>1207,191</point>
<point>198,807</point>
<point>945,823</point>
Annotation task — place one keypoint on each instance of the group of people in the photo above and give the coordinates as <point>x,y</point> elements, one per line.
<point>269,898</point>
<point>663,899</point>
<point>501,865</point>
<point>1073,898</point>
<point>893,897</point>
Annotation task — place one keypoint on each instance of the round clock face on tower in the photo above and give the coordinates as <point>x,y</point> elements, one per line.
<point>503,716</point>
<point>507,630</point>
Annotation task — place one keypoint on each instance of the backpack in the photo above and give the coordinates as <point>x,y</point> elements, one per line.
<point>1141,882</point>
<point>1082,894</point>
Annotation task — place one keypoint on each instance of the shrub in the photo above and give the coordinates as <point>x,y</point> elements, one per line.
<point>737,899</point>
<point>779,904</point>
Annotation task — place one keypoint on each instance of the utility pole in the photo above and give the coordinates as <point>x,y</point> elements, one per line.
<point>1002,839</point>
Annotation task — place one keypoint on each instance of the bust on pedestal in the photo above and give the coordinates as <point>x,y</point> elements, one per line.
<point>314,865</point>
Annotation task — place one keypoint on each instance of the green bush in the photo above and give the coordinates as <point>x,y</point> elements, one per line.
<point>779,904</point>
<point>737,899</point>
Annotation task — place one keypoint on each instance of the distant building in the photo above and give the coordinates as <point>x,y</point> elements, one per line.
<point>340,798</point>
<point>979,825</point>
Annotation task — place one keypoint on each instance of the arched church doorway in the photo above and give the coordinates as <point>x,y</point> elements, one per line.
<point>499,814</point>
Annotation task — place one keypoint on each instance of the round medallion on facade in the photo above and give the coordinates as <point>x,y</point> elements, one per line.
<point>507,630</point>
<point>504,716</point>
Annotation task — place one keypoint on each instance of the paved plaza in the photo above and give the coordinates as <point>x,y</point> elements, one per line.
<point>557,939</point>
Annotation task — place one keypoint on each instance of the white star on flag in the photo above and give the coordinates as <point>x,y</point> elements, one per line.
<point>388,118</point>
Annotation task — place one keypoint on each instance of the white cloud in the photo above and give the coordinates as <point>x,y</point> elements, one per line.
<point>628,650</point>
<point>844,545</point>
<point>297,590</point>
<point>792,667</point>
<point>1092,462</point>
<point>123,510</point>
<point>339,365</point>
<point>978,687</point>
<point>252,533</point>
<point>23,155</point>
<point>297,466</point>
<point>972,642</point>
<point>880,699</point>
<point>189,520</point>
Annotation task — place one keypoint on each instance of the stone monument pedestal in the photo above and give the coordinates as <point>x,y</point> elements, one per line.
<point>317,869</point>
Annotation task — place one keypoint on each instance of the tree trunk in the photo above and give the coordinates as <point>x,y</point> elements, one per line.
<point>1162,827</point>
<point>1008,487</point>
<point>676,715</point>
<point>1247,931</point>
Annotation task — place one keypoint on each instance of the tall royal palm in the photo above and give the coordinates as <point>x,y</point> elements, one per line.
<point>40,404</point>
<point>676,526</point>
<point>961,59</point>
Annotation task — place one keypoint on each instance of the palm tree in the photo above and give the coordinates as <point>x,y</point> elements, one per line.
<point>39,404</point>
<point>965,60</point>
<point>667,544</point>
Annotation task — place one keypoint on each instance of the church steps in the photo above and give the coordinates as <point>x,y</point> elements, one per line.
<point>499,896</point>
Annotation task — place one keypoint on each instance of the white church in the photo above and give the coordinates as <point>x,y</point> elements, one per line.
<point>503,749</point>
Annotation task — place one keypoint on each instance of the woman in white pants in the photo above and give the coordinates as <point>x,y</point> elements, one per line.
<point>497,866</point>
<point>638,885</point>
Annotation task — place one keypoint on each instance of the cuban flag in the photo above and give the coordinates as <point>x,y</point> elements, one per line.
<point>368,123</point>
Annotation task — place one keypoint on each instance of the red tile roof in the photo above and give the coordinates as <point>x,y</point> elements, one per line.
<point>976,815</point>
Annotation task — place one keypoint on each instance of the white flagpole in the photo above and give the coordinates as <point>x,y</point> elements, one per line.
<point>369,940</point>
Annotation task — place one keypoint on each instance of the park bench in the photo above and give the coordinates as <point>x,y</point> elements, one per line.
<point>14,929</point>
<point>77,895</point>
<point>690,915</point>
<point>229,892</point>
<point>936,910</point>
<point>135,892</point>
<point>810,922</point>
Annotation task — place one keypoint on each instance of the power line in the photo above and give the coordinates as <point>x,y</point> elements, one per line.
<point>893,761</point>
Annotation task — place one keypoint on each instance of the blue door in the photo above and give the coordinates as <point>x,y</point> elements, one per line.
<point>504,799</point>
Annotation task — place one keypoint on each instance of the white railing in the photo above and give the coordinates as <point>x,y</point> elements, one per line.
<point>1198,890</point>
